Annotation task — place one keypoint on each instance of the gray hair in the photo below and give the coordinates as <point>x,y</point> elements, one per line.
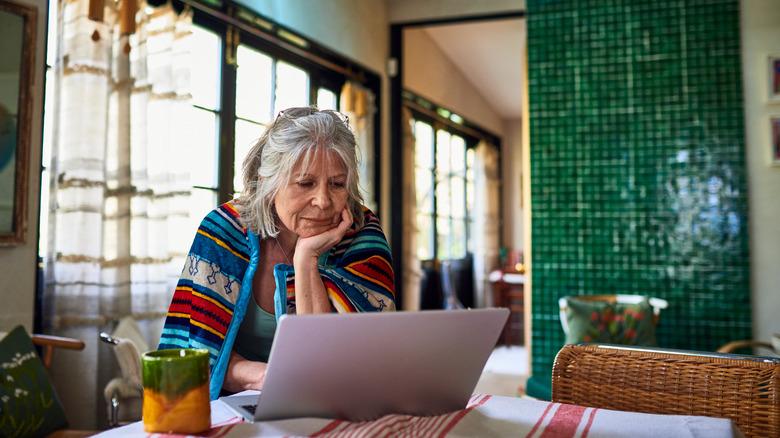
<point>293,137</point>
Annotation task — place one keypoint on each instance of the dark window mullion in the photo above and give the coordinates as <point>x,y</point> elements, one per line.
<point>227,126</point>
<point>314,86</point>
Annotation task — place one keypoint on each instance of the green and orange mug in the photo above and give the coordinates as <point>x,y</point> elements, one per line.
<point>176,391</point>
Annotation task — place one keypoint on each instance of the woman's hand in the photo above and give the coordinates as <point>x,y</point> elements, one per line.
<point>313,247</point>
<point>243,374</point>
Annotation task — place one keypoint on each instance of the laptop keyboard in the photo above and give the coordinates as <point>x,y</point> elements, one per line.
<point>250,408</point>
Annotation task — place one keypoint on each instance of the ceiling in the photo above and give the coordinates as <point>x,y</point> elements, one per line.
<point>490,56</point>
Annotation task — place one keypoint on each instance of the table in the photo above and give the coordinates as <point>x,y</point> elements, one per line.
<point>485,415</point>
<point>508,291</point>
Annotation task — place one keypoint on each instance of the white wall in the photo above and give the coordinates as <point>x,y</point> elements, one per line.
<point>17,264</point>
<point>416,10</point>
<point>429,73</point>
<point>761,37</point>
<point>512,170</point>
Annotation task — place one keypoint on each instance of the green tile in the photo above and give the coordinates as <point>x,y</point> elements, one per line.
<point>637,164</point>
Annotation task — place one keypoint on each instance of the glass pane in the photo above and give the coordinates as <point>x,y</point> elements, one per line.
<point>202,162</point>
<point>458,154</point>
<point>443,151</point>
<point>202,201</point>
<point>205,79</point>
<point>470,197</point>
<point>470,244</point>
<point>470,161</point>
<point>443,200</point>
<point>457,187</point>
<point>443,237</point>
<point>424,237</point>
<point>423,145</point>
<point>254,82</point>
<point>326,99</point>
<point>247,134</point>
<point>458,239</point>
<point>423,181</point>
<point>292,87</point>
<point>43,237</point>
<point>51,45</point>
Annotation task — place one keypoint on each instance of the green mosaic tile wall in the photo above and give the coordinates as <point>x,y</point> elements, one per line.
<point>637,164</point>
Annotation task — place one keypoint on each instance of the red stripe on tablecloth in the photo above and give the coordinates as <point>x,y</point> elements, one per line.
<point>417,426</point>
<point>459,416</point>
<point>540,420</point>
<point>590,422</point>
<point>224,430</point>
<point>386,428</point>
<point>432,423</point>
<point>564,423</point>
<point>329,427</point>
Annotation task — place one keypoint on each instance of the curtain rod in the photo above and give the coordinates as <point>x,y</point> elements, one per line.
<point>273,39</point>
<point>465,129</point>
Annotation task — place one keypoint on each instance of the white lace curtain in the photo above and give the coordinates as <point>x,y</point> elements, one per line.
<point>118,229</point>
<point>486,219</point>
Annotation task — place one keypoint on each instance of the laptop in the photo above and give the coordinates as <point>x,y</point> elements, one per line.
<point>364,365</point>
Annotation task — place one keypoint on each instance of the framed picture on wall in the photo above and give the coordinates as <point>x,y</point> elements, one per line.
<point>774,78</point>
<point>774,121</point>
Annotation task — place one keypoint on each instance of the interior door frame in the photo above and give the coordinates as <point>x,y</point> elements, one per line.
<point>396,128</point>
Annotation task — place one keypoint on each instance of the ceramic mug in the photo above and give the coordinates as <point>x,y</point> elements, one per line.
<point>176,391</point>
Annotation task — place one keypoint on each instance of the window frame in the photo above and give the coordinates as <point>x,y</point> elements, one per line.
<point>471,142</point>
<point>320,76</point>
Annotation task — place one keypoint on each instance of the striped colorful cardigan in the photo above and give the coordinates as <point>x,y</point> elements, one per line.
<point>215,286</point>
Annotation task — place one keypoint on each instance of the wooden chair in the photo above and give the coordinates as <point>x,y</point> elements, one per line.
<point>45,411</point>
<point>48,343</point>
<point>745,389</point>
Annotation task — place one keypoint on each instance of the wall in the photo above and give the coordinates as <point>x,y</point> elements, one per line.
<point>637,165</point>
<point>512,170</point>
<point>415,10</point>
<point>429,73</point>
<point>17,264</point>
<point>761,37</point>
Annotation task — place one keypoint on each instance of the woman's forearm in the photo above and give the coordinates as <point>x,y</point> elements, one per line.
<point>243,374</point>
<point>310,293</point>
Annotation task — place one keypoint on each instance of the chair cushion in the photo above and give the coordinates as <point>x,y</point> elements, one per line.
<point>615,323</point>
<point>30,406</point>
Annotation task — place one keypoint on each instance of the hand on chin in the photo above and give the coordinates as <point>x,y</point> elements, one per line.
<point>313,230</point>
<point>313,227</point>
<point>316,237</point>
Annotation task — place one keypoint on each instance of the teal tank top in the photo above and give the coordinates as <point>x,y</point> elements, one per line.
<point>256,333</point>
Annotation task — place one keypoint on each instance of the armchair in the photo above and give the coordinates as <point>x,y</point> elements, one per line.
<point>124,394</point>
<point>745,389</point>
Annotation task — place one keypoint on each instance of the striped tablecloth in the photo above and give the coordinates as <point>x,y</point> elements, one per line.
<point>485,416</point>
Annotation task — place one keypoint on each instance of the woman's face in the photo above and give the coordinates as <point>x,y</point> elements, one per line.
<point>311,203</point>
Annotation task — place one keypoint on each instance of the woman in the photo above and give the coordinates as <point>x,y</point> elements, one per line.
<point>297,240</point>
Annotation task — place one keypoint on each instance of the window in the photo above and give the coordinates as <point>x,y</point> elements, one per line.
<point>266,81</point>
<point>234,99</point>
<point>444,186</point>
<point>204,121</point>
